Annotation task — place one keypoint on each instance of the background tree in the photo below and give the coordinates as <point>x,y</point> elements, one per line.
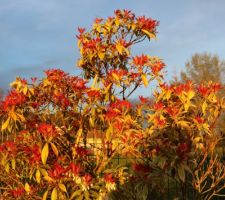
<point>204,67</point>
<point>1,93</point>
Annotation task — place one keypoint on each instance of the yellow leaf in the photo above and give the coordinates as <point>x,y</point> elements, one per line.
<point>197,139</point>
<point>109,133</point>
<point>14,84</point>
<point>91,121</point>
<point>49,179</point>
<point>186,105</point>
<point>13,115</point>
<point>86,195</point>
<point>79,134</point>
<point>168,95</point>
<point>204,106</point>
<point>7,167</point>
<point>44,172</point>
<point>62,187</point>
<point>44,154</point>
<point>133,26</point>
<point>117,21</point>
<point>45,195</point>
<point>115,76</point>
<point>38,176</point>
<point>54,149</point>
<point>54,195</point>
<point>126,50</point>
<point>27,187</point>
<point>190,94</point>
<point>119,48</point>
<point>108,87</point>
<point>101,55</point>
<point>25,90</point>
<point>144,79</point>
<point>223,102</point>
<point>184,124</point>
<point>75,194</point>
<point>13,162</point>
<point>216,113</point>
<point>6,123</point>
<point>31,173</point>
<point>31,90</point>
<point>94,81</point>
<point>21,117</point>
<point>149,34</point>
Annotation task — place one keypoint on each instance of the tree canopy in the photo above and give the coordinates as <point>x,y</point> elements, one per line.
<point>204,67</point>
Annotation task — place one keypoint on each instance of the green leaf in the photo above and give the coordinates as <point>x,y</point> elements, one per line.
<point>44,153</point>
<point>162,162</point>
<point>181,173</point>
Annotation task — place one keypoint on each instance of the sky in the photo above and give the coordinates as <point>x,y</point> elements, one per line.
<point>36,35</point>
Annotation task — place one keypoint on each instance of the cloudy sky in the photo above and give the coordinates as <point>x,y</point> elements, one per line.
<point>39,34</point>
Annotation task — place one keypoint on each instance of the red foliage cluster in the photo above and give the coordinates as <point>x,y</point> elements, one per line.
<point>34,154</point>
<point>205,90</point>
<point>124,14</point>
<point>55,75</point>
<point>121,104</point>
<point>157,67</point>
<point>76,169</point>
<point>182,150</point>
<point>57,171</point>
<point>108,177</point>
<point>17,192</point>
<point>147,23</point>
<point>61,100</point>
<point>47,130</point>
<point>9,147</point>
<point>14,98</point>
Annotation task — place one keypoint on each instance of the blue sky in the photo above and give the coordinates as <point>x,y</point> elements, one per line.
<point>39,34</point>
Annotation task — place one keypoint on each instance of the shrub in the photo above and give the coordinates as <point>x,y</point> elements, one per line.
<point>66,131</point>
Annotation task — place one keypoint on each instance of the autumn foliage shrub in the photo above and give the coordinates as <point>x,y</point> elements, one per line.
<point>66,132</point>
